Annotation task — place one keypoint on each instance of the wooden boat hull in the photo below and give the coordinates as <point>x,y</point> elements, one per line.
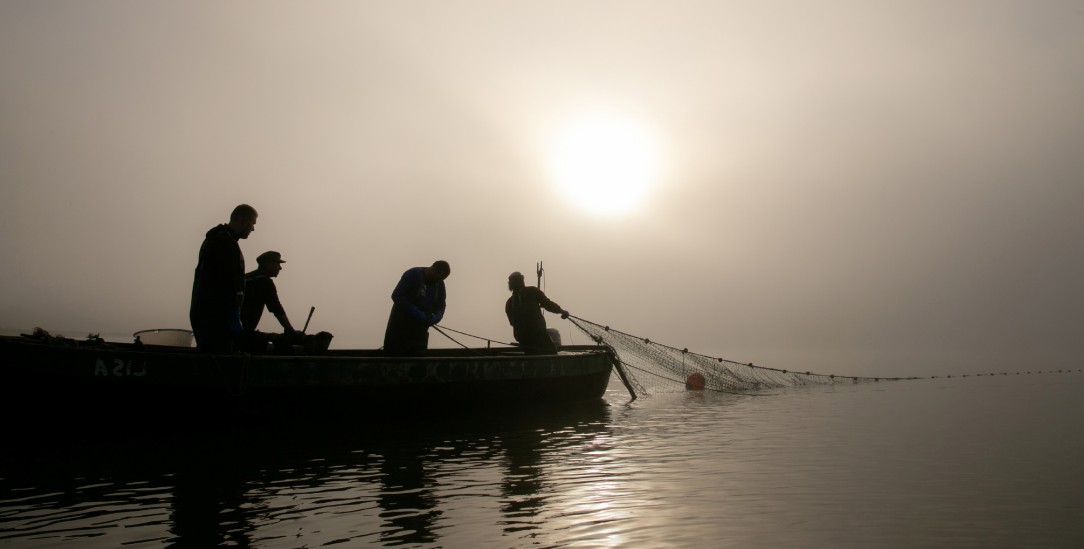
<point>45,378</point>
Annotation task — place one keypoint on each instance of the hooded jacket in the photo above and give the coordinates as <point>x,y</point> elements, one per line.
<point>219,282</point>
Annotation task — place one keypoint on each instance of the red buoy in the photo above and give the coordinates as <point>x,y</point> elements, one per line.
<point>695,382</point>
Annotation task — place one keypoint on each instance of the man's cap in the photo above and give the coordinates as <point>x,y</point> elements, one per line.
<point>270,257</point>
<point>515,275</point>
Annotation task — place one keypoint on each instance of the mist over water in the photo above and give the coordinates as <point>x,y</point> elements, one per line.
<point>863,188</point>
<point>963,462</point>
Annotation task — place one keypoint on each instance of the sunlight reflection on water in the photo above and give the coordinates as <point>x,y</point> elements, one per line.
<point>962,463</point>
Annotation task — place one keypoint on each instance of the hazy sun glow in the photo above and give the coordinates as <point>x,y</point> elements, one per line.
<point>605,164</point>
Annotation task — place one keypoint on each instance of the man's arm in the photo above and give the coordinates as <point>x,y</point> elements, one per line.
<point>276,308</point>
<point>550,305</point>
<point>546,302</point>
<point>285,322</point>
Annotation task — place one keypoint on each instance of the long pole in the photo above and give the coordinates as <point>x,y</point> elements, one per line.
<point>311,310</point>
<point>620,367</point>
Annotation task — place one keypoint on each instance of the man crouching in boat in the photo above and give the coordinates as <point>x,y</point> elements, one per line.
<point>418,302</point>
<point>261,293</point>
<point>219,284</point>
<point>524,310</point>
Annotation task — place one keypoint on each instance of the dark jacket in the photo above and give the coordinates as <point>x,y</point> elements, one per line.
<point>219,282</point>
<point>416,304</point>
<point>417,298</point>
<point>524,311</point>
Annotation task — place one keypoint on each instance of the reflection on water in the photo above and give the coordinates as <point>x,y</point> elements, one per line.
<point>407,503</point>
<point>208,498</point>
<point>960,463</point>
<point>391,483</point>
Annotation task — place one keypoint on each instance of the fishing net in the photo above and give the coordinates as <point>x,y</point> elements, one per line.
<point>648,367</point>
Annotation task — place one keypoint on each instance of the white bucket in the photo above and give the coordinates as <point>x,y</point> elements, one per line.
<point>170,337</point>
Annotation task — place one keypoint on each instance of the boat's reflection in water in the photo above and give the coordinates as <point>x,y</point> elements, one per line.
<point>378,480</point>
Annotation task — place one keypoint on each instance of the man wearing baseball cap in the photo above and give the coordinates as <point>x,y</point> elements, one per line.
<point>260,292</point>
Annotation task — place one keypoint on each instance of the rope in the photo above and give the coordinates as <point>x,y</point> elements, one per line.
<point>437,328</point>
<point>486,339</point>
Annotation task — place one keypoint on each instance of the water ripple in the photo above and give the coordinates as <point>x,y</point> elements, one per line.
<point>865,466</point>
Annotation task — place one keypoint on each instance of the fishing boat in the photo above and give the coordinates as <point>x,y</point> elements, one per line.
<point>48,376</point>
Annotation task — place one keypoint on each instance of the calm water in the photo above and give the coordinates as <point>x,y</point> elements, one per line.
<point>975,462</point>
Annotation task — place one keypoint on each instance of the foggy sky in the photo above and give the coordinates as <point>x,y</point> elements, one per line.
<point>889,188</point>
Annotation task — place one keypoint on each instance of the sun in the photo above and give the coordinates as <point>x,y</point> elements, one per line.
<point>605,164</point>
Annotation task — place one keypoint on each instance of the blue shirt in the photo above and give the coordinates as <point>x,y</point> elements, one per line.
<point>418,297</point>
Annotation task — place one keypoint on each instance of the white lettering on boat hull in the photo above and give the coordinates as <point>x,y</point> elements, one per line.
<point>120,368</point>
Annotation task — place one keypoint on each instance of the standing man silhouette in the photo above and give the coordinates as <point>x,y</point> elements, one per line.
<point>418,302</point>
<point>218,288</point>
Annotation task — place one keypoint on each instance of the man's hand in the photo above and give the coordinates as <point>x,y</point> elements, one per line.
<point>564,313</point>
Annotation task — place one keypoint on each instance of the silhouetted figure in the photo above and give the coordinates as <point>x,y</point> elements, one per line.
<point>524,310</point>
<point>418,302</point>
<point>218,288</point>
<point>261,293</point>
